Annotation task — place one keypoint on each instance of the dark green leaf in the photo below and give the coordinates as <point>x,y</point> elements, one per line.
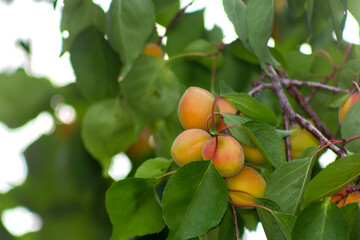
<point>352,215</point>
<point>239,50</point>
<point>274,226</point>
<point>225,88</point>
<point>186,30</point>
<point>350,127</point>
<point>203,46</point>
<point>153,168</point>
<point>338,16</point>
<point>133,208</point>
<point>194,200</point>
<point>129,24</point>
<point>107,130</point>
<point>227,230</point>
<point>267,141</point>
<point>78,15</point>
<point>321,220</point>
<point>324,184</point>
<point>150,88</point>
<point>259,25</point>
<point>238,132</point>
<point>23,97</point>
<point>348,73</point>
<point>251,108</point>
<point>95,64</point>
<point>162,5</point>
<point>287,184</point>
<point>338,100</point>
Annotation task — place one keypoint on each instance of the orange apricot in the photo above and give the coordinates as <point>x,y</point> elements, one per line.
<point>347,105</point>
<point>252,155</point>
<point>342,198</point>
<point>229,156</point>
<point>188,145</point>
<point>250,182</point>
<point>154,50</point>
<point>195,107</point>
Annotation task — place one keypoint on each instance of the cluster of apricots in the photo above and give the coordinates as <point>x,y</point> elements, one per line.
<point>226,153</point>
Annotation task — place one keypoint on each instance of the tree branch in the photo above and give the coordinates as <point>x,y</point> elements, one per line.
<point>287,110</point>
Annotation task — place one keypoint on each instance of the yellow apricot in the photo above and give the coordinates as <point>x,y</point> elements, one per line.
<point>247,180</point>
<point>188,145</point>
<point>153,49</point>
<point>341,199</point>
<point>252,155</point>
<point>229,156</point>
<point>300,140</point>
<point>142,148</point>
<point>347,105</point>
<point>195,107</point>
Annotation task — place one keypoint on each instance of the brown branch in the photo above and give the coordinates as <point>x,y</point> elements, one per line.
<point>294,117</point>
<point>289,82</point>
<point>173,21</point>
<point>259,88</point>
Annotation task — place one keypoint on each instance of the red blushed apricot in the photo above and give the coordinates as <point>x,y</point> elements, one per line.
<point>188,145</point>
<point>194,108</point>
<point>229,156</point>
<point>347,105</point>
<point>247,180</point>
<point>341,199</point>
<point>154,50</point>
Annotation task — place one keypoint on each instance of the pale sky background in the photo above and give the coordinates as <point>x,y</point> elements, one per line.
<point>38,22</point>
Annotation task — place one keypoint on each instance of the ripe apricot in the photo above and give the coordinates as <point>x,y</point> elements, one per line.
<point>341,198</point>
<point>252,155</point>
<point>347,105</point>
<point>229,156</point>
<point>154,50</point>
<point>247,180</point>
<point>195,107</point>
<point>142,148</point>
<point>300,140</point>
<point>188,145</point>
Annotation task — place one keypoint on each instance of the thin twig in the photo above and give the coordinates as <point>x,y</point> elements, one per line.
<point>173,21</point>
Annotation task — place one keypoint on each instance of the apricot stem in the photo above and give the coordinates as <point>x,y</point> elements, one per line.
<point>213,110</point>
<point>236,222</point>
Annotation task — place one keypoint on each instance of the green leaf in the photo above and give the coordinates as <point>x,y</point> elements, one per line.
<point>350,127</point>
<point>287,184</point>
<point>194,200</point>
<point>162,5</point>
<point>186,30</point>
<point>78,15</point>
<point>129,24</point>
<point>324,184</point>
<point>338,100</point>
<point>251,107</point>
<point>227,229</point>
<point>153,168</point>
<point>259,25</point>
<point>338,16</point>
<point>267,141</point>
<point>284,133</point>
<point>236,12</point>
<point>203,46</point>
<point>107,130</point>
<point>321,220</point>
<point>150,88</point>
<point>273,223</point>
<point>352,215</point>
<point>225,88</point>
<point>133,208</point>
<point>238,132</point>
<point>348,73</point>
<point>95,64</point>
<point>23,97</point>
<point>354,8</point>
<point>239,50</point>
